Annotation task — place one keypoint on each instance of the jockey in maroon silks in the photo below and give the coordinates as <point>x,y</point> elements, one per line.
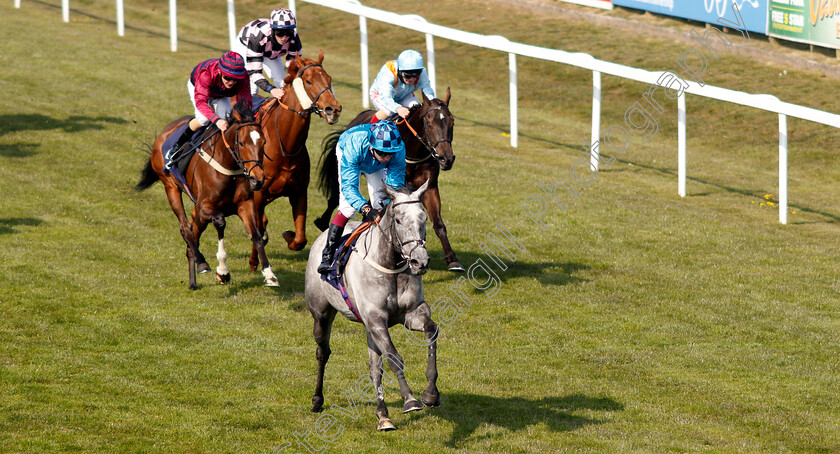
<point>211,85</point>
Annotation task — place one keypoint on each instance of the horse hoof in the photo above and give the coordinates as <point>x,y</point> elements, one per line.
<point>321,224</point>
<point>289,236</point>
<point>455,267</point>
<point>430,400</point>
<point>272,282</point>
<point>412,405</point>
<point>223,278</point>
<point>202,268</point>
<point>317,404</point>
<point>193,287</point>
<point>385,425</point>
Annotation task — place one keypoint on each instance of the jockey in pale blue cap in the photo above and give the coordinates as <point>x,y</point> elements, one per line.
<point>393,89</point>
<point>376,150</point>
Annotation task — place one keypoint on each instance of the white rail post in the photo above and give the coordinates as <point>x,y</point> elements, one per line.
<point>120,18</point>
<point>363,44</point>
<point>596,120</point>
<point>783,169</point>
<point>17,4</point>
<point>430,61</point>
<point>681,157</point>
<point>173,25</point>
<point>232,23</point>
<point>293,8</point>
<point>65,10</point>
<point>514,119</point>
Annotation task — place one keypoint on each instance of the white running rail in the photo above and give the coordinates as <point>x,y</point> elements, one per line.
<point>769,103</point>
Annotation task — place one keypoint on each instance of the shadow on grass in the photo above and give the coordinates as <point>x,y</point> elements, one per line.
<point>7,225</point>
<point>469,412</point>
<point>18,150</point>
<point>548,273</point>
<point>753,193</point>
<point>38,122</point>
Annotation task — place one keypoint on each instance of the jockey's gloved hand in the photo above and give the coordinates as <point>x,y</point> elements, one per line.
<point>369,214</point>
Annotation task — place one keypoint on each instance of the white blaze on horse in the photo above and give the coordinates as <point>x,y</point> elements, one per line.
<point>383,284</point>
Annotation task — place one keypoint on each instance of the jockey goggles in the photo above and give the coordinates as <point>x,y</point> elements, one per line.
<point>383,153</point>
<point>411,73</point>
<point>280,32</point>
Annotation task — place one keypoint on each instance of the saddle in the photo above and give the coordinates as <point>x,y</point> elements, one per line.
<point>334,273</point>
<point>178,163</point>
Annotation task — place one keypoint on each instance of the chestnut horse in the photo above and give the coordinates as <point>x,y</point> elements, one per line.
<point>426,153</point>
<point>214,178</point>
<point>285,126</point>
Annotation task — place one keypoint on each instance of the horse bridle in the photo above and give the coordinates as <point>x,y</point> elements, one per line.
<point>399,244</point>
<point>432,149</point>
<point>303,113</point>
<point>314,107</point>
<point>237,156</point>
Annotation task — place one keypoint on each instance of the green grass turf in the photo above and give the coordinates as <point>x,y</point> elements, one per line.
<point>636,322</point>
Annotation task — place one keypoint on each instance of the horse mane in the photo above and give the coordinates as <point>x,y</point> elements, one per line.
<point>246,115</point>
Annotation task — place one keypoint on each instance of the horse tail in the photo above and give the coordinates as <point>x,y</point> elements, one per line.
<point>147,176</point>
<point>328,165</point>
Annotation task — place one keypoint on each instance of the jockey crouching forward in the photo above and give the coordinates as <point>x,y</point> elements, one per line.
<point>210,86</point>
<point>392,92</point>
<point>377,150</point>
<point>263,43</point>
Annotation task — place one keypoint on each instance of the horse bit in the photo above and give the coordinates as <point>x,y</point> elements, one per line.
<point>399,248</point>
<point>236,155</point>
<point>432,149</point>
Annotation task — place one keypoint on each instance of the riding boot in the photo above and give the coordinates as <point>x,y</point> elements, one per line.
<point>333,238</point>
<point>176,149</point>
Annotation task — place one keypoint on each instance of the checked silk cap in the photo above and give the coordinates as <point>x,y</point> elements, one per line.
<point>282,18</point>
<point>385,138</point>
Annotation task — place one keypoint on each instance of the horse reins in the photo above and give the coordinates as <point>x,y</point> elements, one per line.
<point>302,113</point>
<point>314,107</point>
<point>233,152</point>
<point>432,149</point>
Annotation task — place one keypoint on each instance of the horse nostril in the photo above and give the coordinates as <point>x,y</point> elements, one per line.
<point>329,110</point>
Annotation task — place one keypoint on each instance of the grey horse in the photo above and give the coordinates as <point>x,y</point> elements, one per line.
<point>382,297</point>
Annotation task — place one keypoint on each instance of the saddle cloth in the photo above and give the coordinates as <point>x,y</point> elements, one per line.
<point>342,256</point>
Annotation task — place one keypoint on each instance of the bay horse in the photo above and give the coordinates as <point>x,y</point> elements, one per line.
<point>214,177</point>
<point>285,126</point>
<point>426,153</point>
<point>381,296</point>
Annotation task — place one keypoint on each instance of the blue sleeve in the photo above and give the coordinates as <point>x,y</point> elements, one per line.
<point>350,174</point>
<point>396,171</point>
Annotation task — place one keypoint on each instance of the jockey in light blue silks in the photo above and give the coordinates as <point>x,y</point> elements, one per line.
<point>376,150</point>
<point>393,89</point>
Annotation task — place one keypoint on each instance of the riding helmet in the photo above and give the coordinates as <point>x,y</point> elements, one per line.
<point>232,65</point>
<point>385,138</point>
<point>282,18</point>
<point>409,60</point>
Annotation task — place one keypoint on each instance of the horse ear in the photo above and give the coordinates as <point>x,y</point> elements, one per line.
<point>448,95</point>
<point>425,99</point>
<point>320,56</point>
<point>291,68</point>
<point>390,192</point>
<point>419,192</point>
